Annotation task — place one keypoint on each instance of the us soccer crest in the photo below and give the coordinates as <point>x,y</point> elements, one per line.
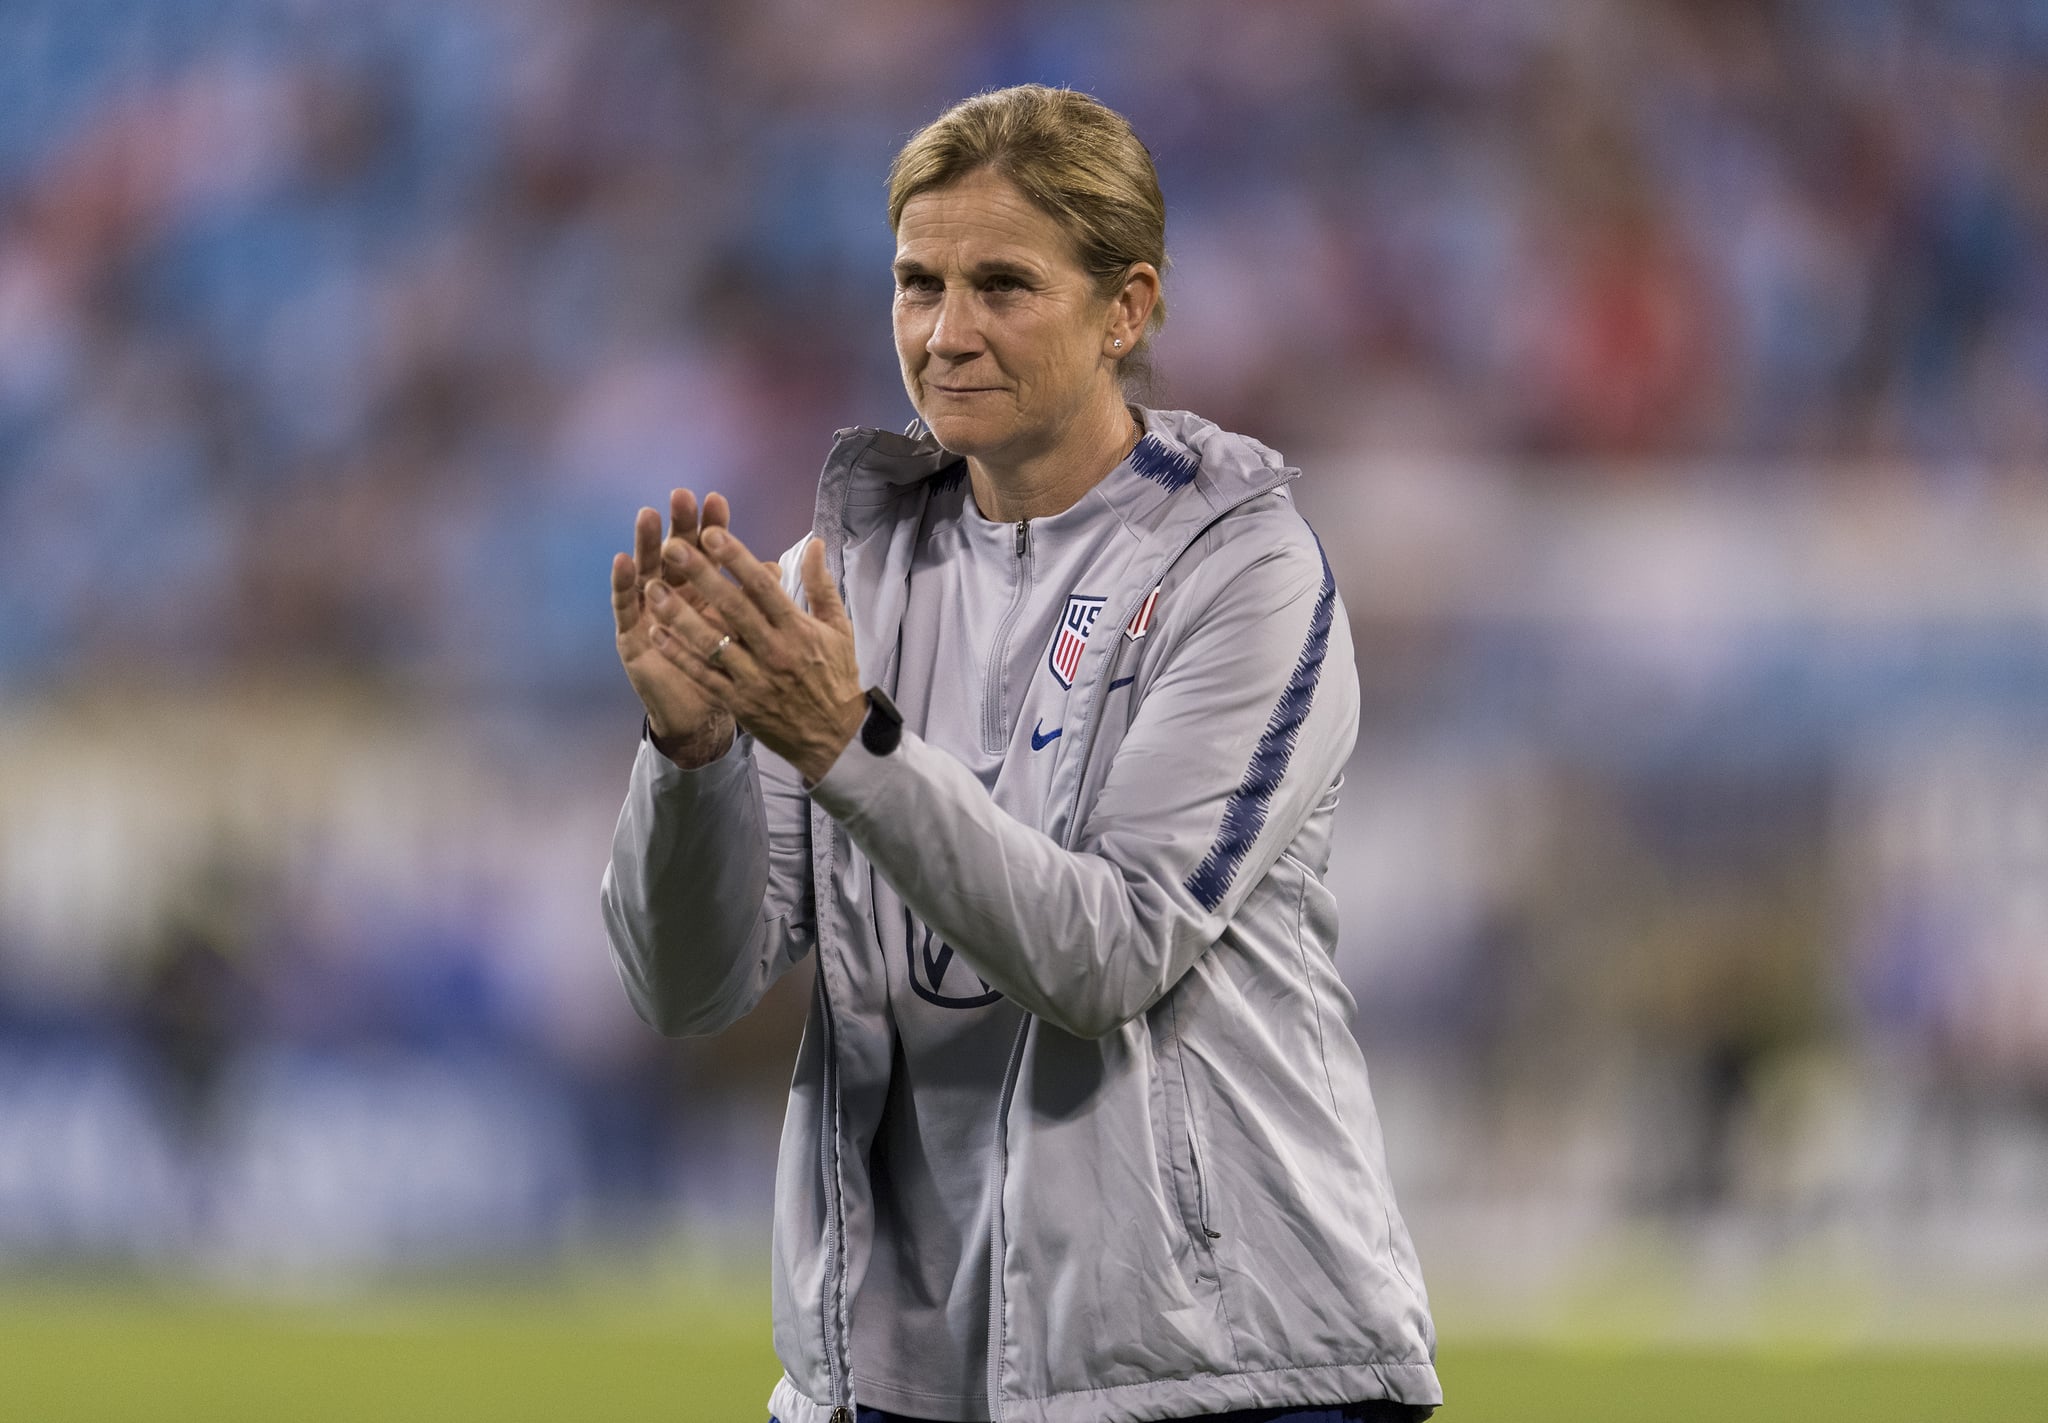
<point>1068,643</point>
<point>940,976</point>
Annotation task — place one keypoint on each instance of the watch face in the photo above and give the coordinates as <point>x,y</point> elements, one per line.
<point>879,734</point>
<point>883,728</point>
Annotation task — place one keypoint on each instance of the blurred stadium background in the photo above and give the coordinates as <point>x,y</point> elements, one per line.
<point>1671,378</point>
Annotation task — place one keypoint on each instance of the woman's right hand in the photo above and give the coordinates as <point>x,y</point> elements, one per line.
<point>688,728</point>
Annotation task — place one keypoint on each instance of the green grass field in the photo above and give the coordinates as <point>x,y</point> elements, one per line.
<point>70,1350</point>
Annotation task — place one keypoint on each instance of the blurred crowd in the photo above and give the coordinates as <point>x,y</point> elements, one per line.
<point>303,979</point>
<point>1672,378</point>
<point>363,325</point>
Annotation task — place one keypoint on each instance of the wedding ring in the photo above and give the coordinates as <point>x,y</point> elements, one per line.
<point>719,651</point>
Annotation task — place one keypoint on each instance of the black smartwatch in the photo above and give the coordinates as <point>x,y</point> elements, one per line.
<point>883,728</point>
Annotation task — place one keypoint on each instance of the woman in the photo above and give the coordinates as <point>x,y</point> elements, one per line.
<point>1035,741</point>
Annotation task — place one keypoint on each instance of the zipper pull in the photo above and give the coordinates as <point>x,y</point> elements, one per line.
<point>1023,536</point>
<point>842,1414</point>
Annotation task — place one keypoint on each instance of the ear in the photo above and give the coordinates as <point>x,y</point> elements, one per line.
<point>1130,309</point>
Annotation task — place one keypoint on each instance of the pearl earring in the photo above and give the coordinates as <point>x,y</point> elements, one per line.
<point>1118,342</point>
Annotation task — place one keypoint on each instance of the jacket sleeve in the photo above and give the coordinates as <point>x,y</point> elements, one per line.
<point>1243,727</point>
<point>707,899</point>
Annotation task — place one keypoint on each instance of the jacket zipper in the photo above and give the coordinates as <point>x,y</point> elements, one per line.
<point>835,1229</point>
<point>999,1161</point>
<point>832,1307</point>
<point>994,733</point>
<point>1194,1138</point>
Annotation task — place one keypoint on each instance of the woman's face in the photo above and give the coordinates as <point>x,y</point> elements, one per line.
<point>1001,335</point>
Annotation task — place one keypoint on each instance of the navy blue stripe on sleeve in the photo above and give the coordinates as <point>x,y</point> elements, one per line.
<point>1245,813</point>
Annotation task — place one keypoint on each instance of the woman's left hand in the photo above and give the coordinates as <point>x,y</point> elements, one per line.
<point>788,677</point>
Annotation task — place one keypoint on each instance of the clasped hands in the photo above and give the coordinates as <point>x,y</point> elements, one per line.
<point>709,639</point>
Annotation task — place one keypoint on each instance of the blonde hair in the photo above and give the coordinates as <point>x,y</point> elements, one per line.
<point>1071,155</point>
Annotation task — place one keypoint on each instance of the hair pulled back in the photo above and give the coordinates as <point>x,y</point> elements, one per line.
<point>1072,155</point>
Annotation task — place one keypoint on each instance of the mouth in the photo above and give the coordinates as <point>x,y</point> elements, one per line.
<point>961,389</point>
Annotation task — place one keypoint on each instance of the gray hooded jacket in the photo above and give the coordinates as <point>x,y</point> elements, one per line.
<point>1193,1212</point>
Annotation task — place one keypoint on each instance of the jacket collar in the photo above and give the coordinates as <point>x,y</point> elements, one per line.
<point>1198,469</point>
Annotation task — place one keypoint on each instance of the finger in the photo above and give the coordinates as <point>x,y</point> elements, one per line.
<point>820,590</point>
<point>676,554</point>
<point>706,676</point>
<point>668,610</point>
<point>682,514</point>
<point>698,628</point>
<point>691,641</point>
<point>629,594</point>
<point>682,524</point>
<point>762,585</point>
<point>714,593</point>
<point>625,593</point>
<point>647,544</point>
<point>687,521</point>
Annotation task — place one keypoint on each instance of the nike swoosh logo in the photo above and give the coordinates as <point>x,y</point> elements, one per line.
<point>1039,743</point>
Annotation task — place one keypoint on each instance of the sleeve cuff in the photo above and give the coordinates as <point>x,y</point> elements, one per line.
<point>858,776</point>
<point>662,772</point>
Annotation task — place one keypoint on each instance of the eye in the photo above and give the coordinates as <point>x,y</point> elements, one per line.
<point>920,282</point>
<point>1003,282</point>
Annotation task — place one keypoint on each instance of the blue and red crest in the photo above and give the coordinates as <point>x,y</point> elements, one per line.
<point>1067,644</point>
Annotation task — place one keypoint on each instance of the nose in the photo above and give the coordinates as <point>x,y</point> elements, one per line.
<point>956,335</point>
